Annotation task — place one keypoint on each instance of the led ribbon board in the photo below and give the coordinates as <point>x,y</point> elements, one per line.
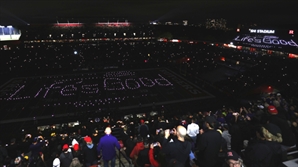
<point>266,41</point>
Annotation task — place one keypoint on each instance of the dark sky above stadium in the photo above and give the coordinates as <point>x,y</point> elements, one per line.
<point>235,11</point>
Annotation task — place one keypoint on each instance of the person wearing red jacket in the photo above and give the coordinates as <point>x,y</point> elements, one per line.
<point>137,148</point>
<point>153,154</point>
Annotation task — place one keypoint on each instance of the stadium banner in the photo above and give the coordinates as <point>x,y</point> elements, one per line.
<point>265,41</point>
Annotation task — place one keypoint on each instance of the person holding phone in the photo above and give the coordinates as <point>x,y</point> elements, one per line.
<point>176,149</point>
<point>154,154</point>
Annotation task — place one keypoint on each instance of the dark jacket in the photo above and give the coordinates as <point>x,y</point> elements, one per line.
<point>90,154</point>
<point>65,159</point>
<point>276,160</point>
<point>143,157</point>
<point>258,154</point>
<point>210,143</point>
<point>176,150</point>
<point>3,154</point>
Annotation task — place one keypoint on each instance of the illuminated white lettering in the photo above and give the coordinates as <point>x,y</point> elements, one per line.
<point>51,86</point>
<point>147,82</point>
<point>162,81</point>
<point>113,84</point>
<point>132,86</point>
<point>261,31</point>
<point>90,89</point>
<point>68,90</point>
<point>292,43</point>
<point>283,42</point>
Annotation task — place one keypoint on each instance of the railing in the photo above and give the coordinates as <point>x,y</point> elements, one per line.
<point>121,164</point>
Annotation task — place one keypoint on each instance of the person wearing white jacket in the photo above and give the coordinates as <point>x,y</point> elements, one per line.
<point>193,130</point>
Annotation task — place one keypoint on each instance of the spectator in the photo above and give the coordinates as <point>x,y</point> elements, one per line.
<point>236,131</point>
<point>66,156</point>
<point>209,144</point>
<point>233,160</point>
<point>143,129</point>
<point>36,148</point>
<point>137,148</point>
<point>17,162</point>
<point>177,149</point>
<point>273,137</point>
<point>258,152</point>
<point>106,146</point>
<point>89,152</point>
<point>75,163</point>
<point>12,150</point>
<point>56,162</point>
<point>129,145</point>
<point>3,154</point>
<point>155,154</point>
<point>76,152</point>
<point>288,137</point>
<point>95,137</point>
<point>226,135</point>
<point>193,130</point>
<point>143,156</point>
<point>162,124</point>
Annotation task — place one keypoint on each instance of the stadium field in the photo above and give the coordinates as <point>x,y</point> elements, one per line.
<point>59,95</point>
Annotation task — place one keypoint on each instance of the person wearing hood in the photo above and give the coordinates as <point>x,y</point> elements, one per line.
<point>177,149</point>
<point>90,153</point>
<point>106,148</point>
<point>76,151</point>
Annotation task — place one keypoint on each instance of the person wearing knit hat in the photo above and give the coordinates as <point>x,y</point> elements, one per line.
<point>88,139</point>
<point>272,110</point>
<point>76,152</point>
<point>89,152</point>
<point>65,147</point>
<point>233,159</point>
<point>76,147</point>
<point>66,156</point>
<point>74,141</point>
<point>143,129</point>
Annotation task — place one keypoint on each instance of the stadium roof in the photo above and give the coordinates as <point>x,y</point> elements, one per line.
<point>28,11</point>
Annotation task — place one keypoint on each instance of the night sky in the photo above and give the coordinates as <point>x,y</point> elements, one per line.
<point>279,12</point>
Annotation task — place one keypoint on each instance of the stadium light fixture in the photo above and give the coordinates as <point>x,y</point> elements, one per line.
<point>9,26</point>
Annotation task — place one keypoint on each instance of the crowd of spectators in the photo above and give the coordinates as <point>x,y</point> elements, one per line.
<point>256,134</point>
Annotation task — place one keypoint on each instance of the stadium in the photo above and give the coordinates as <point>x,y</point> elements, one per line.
<point>75,75</point>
